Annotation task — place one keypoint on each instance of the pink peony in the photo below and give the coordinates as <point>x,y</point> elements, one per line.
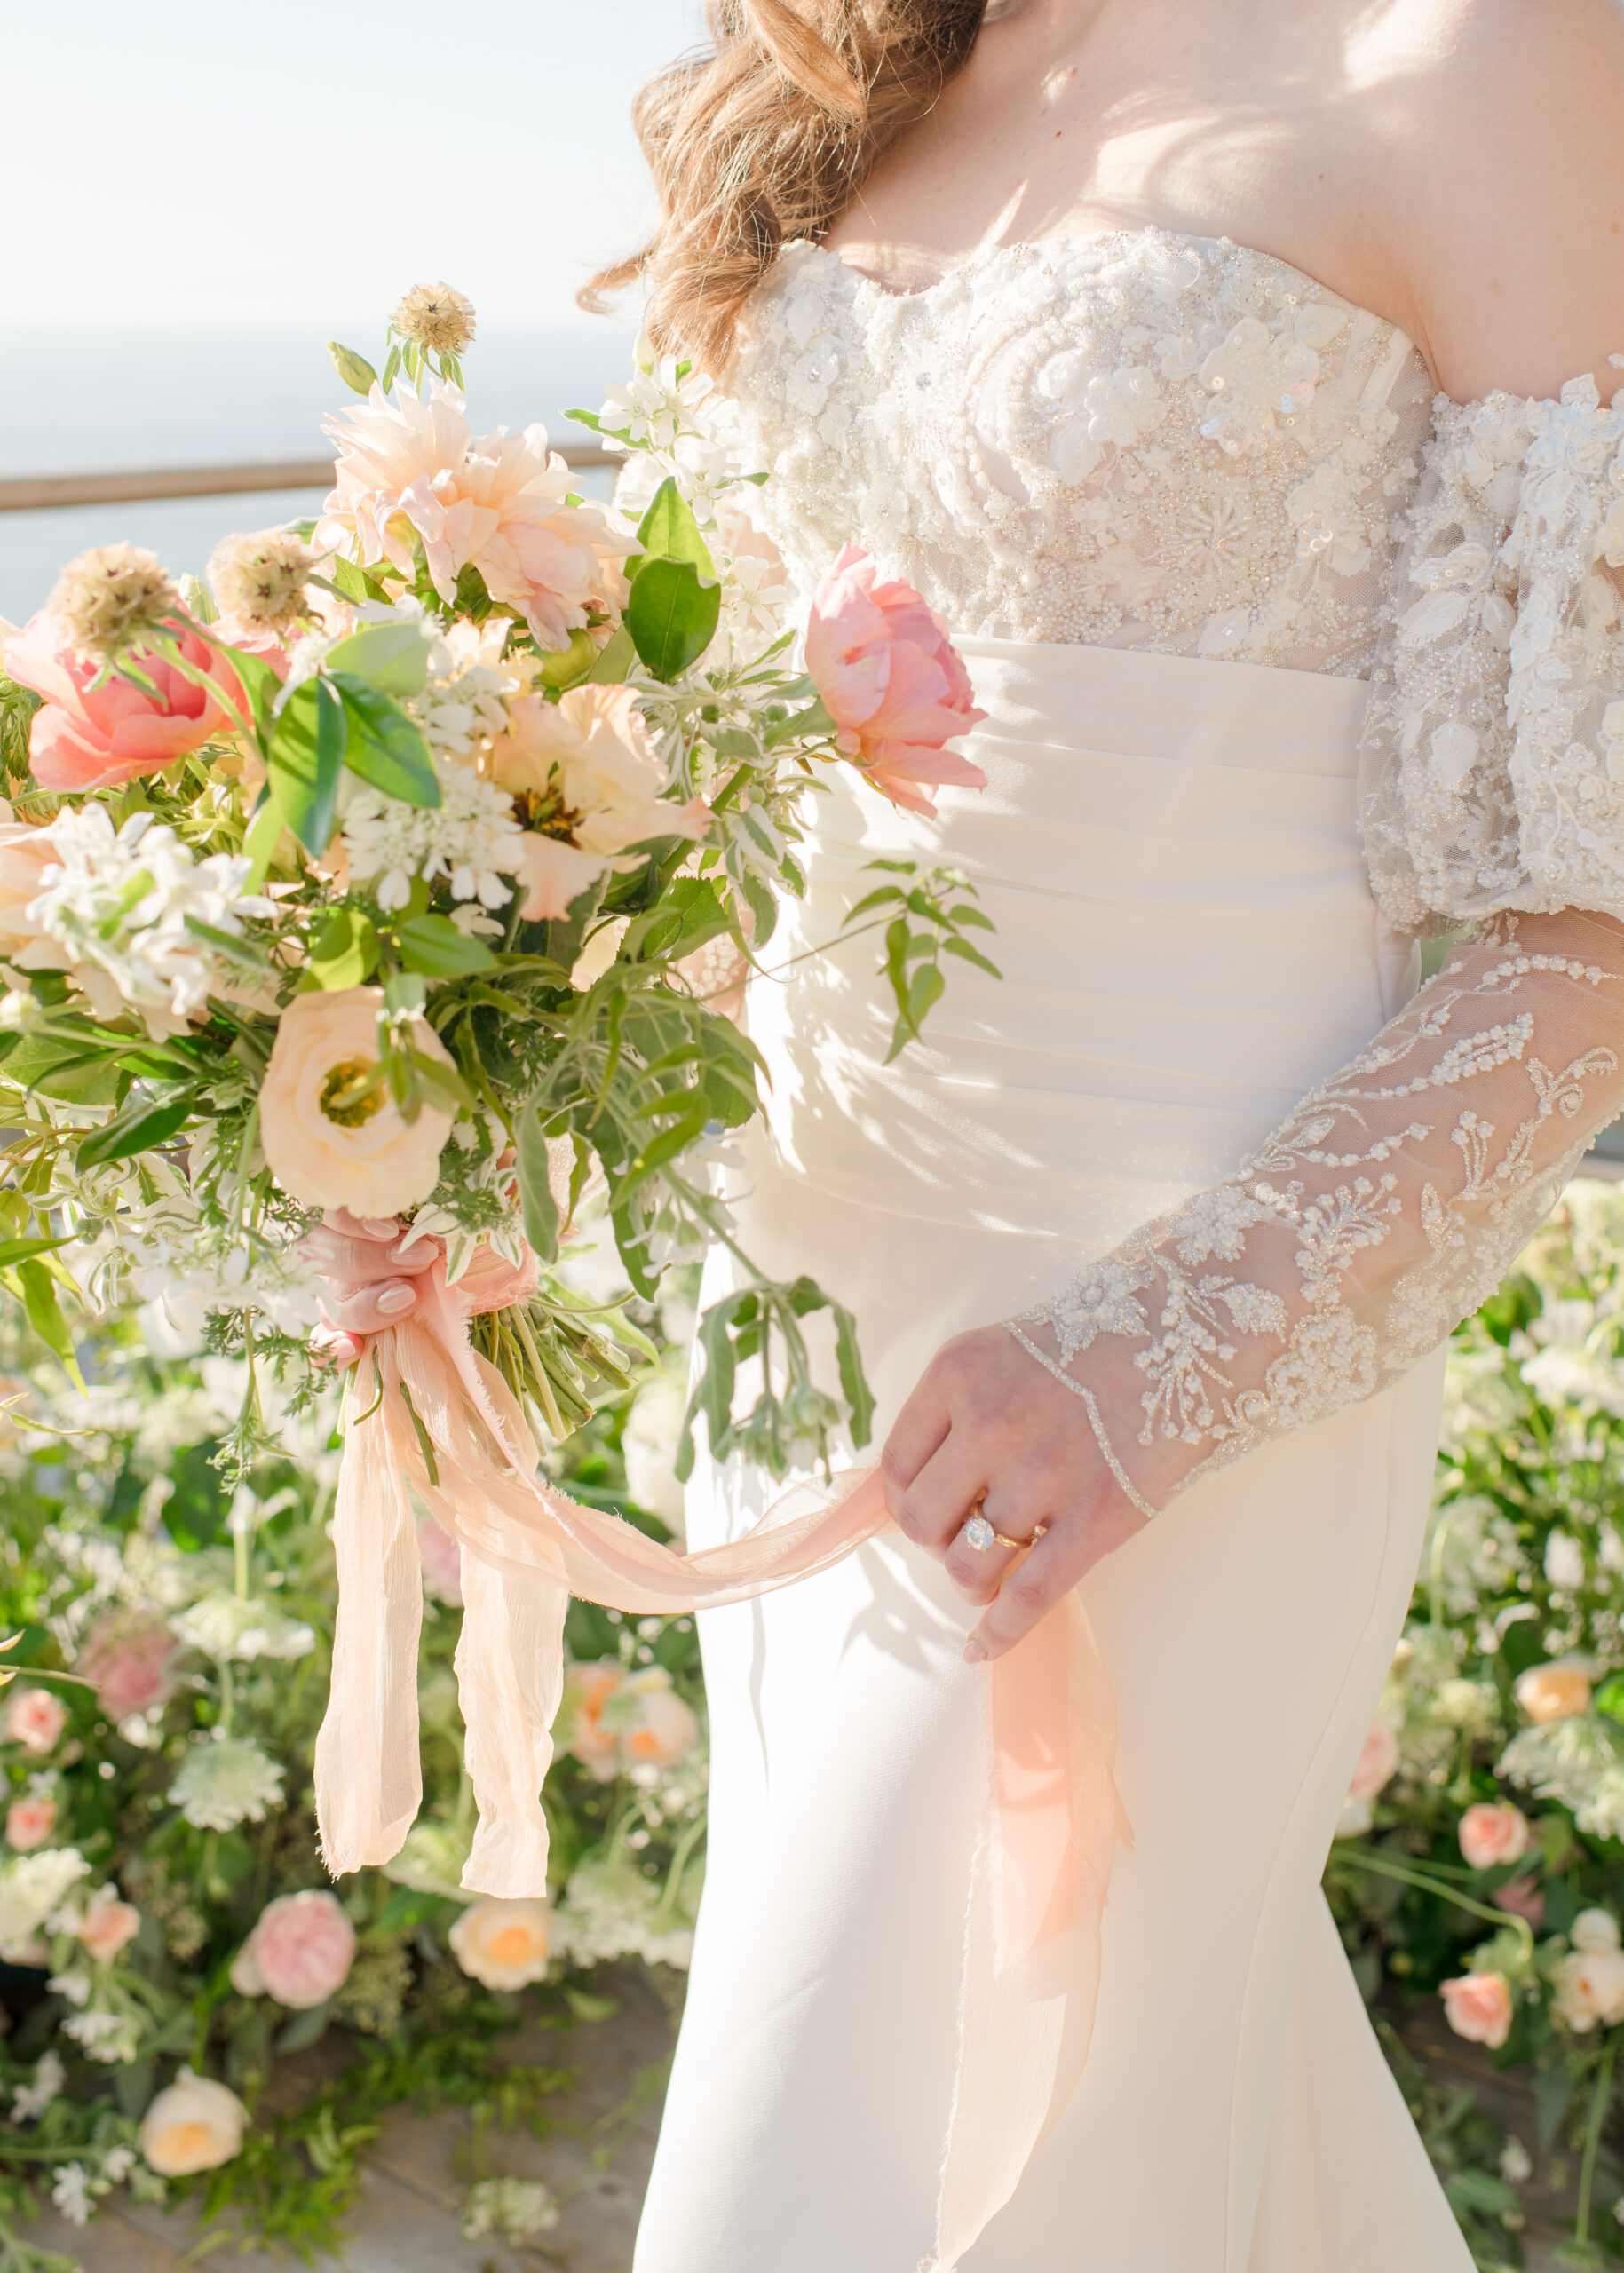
<point>29,1822</point>
<point>1493,1833</point>
<point>108,1924</point>
<point>128,1656</point>
<point>1478,2007</point>
<point>891,680</point>
<point>1377,1762</point>
<point>87,739</point>
<point>300,1951</point>
<point>493,502</point>
<point>35,1718</point>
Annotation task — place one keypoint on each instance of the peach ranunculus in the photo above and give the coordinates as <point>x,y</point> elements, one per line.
<point>585,778</point>
<point>129,1657</point>
<point>1557,1691</point>
<point>30,1821</point>
<point>300,1951</point>
<point>88,738</point>
<point>195,2125</point>
<point>108,1924</point>
<point>369,1161</point>
<point>1493,1832</point>
<point>505,1944</point>
<point>893,681</point>
<point>35,1718</point>
<point>1478,2006</point>
<point>612,1720</point>
<point>496,502</point>
<point>588,1688</point>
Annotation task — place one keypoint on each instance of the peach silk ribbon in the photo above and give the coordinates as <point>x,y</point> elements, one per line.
<point>425,1416</point>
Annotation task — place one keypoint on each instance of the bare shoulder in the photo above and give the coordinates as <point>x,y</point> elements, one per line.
<point>1498,122</point>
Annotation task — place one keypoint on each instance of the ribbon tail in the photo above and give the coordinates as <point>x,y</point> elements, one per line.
<point>1032,1938</point>
<point>510,1672</point>
<point>369,1775</point>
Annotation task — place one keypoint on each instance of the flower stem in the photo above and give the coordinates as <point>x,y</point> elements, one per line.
<point>1599,2098</point>
<point>1385,1867</point>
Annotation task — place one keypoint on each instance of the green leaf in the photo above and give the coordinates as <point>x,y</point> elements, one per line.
<point>391,367</point>
<point>669,531</point>
<point>713,1392</point>
<point>227,943</point>
<point>46,1317</point>
<point>962,948</point>
<point>541,1209</point>
<point>259,683</point>
<point>616,660</point>
<point>853,1381</point>
<point>345,951</point>
<point>14,1251</point>
<point>566,666</point>
<point>138,1128</point>
<point>305,2029</point>
<point>351,583</point>
<point>385,748</point>
<point>393,656</point>
<point>672,616</point>
<point>264,835</point>
<point>883,898</point>
<point>356,374</point>
<point>433,945</point>
<point>305,759</point>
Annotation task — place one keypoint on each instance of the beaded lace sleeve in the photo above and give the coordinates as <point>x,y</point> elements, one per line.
<point>1381,1213</point>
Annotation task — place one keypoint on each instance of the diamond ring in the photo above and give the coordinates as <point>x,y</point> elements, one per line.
<point>980,1535</point>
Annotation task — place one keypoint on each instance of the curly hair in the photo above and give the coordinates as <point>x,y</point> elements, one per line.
<point>765,137</point>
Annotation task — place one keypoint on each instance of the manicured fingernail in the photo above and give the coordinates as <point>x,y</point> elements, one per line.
<point>396,1298</point>
<point>974,1652</point>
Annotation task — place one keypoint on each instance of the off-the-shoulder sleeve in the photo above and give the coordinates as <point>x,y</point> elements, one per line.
<point>1492,775</point>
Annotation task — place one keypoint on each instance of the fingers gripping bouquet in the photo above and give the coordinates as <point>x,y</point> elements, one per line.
<point>365,909</point>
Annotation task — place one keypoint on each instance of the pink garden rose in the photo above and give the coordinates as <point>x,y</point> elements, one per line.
<point>1376,1764</point>
<point>87,739</point>
<point>300,1951</point>
<point>35,1718</point>
<point>891,680</point>
<point>1521,1898</point>
<point>108,1925</point>
<point>128,1656</point>
<point>1478,2007</point>
<point>30,1821</point>
<point>1493,1833</point>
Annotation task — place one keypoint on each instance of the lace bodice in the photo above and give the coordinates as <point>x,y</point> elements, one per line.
<point>1134,440</point>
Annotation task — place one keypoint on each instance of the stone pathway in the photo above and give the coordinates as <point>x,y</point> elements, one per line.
<point>406,2220</point>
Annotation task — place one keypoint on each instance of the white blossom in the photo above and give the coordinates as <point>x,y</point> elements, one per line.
<point>225,1782</point>
<point>30,2101</point>
<point>31,1887</point>
<point>471,838</point>
<point>225,1626</point>
<point>70,2191</point>
<point>508,2209</point>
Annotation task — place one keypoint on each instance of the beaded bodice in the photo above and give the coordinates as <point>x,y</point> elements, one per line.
<point>1138,440</point>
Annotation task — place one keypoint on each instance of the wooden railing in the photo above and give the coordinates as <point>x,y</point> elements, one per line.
<point>33,493</point>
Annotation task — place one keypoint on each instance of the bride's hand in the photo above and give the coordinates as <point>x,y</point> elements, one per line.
<point>987,1424</point>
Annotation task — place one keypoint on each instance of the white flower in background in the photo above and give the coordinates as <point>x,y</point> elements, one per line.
<point>31,1888</point>
<point>225,1781</point>
<point>508,2209</point>
<point>464,701</point>
<point>195,2125</point>
<point>30,2101</point>
<point>1564,1561</point>
<point>671,424</point>
<point>70,2192</point>
<point>226,1627</point>
<point>120,904</point>
<point>111,2036</point>
<point>611,1910</point>
<point>1516,2163</point>
<point>1580,1761</point>
<point>661,405</point>
<point>649,1442</point>
<point>432,1860</point>
<point>471,838</point>
<point>505,1944</point>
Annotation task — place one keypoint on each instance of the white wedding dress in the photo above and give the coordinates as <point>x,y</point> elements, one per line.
<point>1157,488</point>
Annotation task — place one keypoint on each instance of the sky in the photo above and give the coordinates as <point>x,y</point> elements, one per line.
<point>304,161</point>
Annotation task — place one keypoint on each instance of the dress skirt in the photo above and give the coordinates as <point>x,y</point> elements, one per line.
<point>1169,849</point>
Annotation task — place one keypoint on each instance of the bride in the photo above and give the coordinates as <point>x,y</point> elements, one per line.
<point>1233,379</point>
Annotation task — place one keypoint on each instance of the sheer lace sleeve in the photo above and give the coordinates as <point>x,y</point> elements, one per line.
<point>1491,774</point>
<point>1386,1208</point>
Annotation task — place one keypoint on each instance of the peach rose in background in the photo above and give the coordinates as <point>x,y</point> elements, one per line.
<point>195,2125</point>
<point>371,1160</point>
<point>1377,1764</point>
<point>1493,1833</point>
<point>30,1821</point>
<point>893,681</point>
<point>585,778</point>
<point>129,1657</point>
<point>614,1721</point>
<point>579,1728</point>
<point>35,1718</point>
<point>1557,1691</point>
<point>26,853</point>
<point>300,1951</point>
<point>1478,2006</point>
<point>505,1944</point>
<point>1590,1981</point>
<point>88,738</point>
<point>108,1925</point>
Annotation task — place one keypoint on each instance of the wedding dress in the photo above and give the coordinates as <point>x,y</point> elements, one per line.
<point>1284,662</point>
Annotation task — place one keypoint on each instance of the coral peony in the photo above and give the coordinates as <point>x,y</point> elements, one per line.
<point>195,2125</point>
<point>29,1822</point>
<point>35,1718</point>
<point>87,738</point>
<point>129,1657</point>
<point>1557,1691</point>
<point>496,503</point>
<point>1478,2007</point>
<point>300,1951</point>
<point>893,681</point>
<point>1493,1833</point>
<point>505,1944</point>
<point>1377,1763</point>
<point>108,1924</point>
<point>368,1159</point>
<point>586,779</point>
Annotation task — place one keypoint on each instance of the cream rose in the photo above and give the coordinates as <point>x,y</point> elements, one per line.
<point>505,1944</point>
<point>1493,1833</point>
<point>368,1159</point>
<point>1477,2005</point>
<point>1590,1986</point>
<point>1594,1930</point>
<point>195,2125</point>
<point>1557,1691</point>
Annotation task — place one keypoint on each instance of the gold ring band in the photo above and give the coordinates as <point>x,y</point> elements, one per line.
<point>981,1537</point>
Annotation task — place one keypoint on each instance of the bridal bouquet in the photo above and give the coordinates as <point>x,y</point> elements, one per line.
<point>401,878</point>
